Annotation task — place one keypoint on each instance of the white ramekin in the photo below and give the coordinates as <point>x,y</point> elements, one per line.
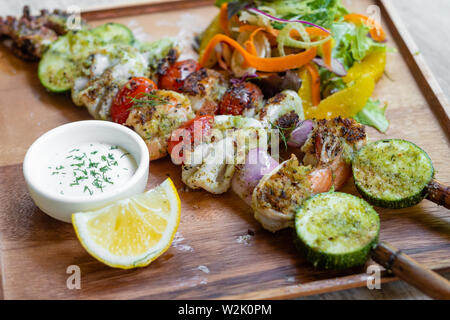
<point>38,155</point>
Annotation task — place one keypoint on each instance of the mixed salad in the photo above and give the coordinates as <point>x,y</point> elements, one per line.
<point>337,55</point>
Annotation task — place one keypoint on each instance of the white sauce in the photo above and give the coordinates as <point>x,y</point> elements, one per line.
<point>89,169</point>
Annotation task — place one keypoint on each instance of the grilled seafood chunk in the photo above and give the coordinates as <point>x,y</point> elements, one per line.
<point>32,34</point>
<point>211,165</point>
<point>216,169</point>
<point>283,110</point>
<point>109,69</point>
<point>205,88</point>
<point>332,144</point>
<point>279,193</point>
<point>155,116</point>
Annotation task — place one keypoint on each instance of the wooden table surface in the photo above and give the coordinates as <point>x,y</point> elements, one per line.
<point>428,23</point>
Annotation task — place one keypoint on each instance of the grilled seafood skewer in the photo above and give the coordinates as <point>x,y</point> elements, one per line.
<point>328,149</point>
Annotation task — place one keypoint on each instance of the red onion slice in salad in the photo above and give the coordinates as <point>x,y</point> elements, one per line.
<point>260,12</point>
<point>336,67</point>
<point>300,134</point>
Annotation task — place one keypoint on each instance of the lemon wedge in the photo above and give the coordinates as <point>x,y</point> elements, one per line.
<point>131,232</point>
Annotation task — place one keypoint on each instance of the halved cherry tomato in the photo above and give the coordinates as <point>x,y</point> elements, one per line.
<point>188,129</point>
<point>174,77</point>
<point>239,97</point>
<point>135,88</point>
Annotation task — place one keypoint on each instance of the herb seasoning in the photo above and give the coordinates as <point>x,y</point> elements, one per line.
<point>90,169</point>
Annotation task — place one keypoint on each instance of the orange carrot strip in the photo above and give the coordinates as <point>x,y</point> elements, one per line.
<point>376,30</point>
<point>250,45</point>
<point>276,64</point>
<point>315,83</point>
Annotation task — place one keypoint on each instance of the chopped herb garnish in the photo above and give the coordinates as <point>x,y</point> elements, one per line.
<point>151,101</point>
<point>90,168</point>
<point>79,165</point>
<point>88,189</point>
<point>104,169</point>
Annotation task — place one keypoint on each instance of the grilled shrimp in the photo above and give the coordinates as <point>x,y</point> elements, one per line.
<point>279,193</point>
<point>331,144</point>
<point>204,88</point>
<point>155,116</point>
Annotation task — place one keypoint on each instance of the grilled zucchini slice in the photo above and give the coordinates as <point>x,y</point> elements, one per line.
<point>57,68</point>
<point>392,173</point>
<point>336,230</point>
<point>114,33</point>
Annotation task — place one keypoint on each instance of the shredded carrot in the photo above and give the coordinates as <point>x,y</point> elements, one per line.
<point>315,83</point>
<point>376,30</point>
<point>223,19</point>
<point>276,64</point>
<point>250,44</point>
<point>249,27</point>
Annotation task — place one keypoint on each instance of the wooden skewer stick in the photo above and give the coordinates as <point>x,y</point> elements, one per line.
<point>406,268</point>
<point>439,193</point>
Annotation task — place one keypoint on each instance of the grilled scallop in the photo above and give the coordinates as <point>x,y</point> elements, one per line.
<point>155,116</point>
<point>284,110</point>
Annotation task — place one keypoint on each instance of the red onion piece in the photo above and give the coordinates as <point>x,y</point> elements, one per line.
<point>336,67</point>
<point>300,134</point>
<point>244,78</point>
<point>257,11</point>
<point>257,164</point>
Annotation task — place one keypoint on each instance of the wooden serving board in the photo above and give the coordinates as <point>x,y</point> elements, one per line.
<point>211,257</point>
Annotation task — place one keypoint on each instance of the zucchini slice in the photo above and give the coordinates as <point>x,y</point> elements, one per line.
<point>57,69</point>
<point>392,173</point>
<point>336,230</point>
<point>114,33</point>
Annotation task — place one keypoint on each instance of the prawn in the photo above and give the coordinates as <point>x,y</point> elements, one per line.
<point>155,116</point>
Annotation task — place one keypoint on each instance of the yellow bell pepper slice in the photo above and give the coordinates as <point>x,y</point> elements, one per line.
<point>345,103</point>
<point>305,91</point>
<point>372,65</point>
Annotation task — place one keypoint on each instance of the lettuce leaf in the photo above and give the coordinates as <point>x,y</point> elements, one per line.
<point>320,12</point>
<point>352,43</point>
<point>373,115</point>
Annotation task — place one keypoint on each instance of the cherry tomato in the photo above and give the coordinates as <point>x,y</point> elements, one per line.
<point>188,129</point>
<point>239,97</point>
<point>135,88</point>
<point>174,77</point>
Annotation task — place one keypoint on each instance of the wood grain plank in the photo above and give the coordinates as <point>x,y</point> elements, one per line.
<point>145,8</point>
<point>36,250</point>
<point>417,64</point>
